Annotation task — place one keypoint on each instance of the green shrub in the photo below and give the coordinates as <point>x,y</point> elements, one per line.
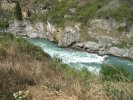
<point>122,44</point>
<point>114,73</point>
<point>4,24</point>
<point>18,13</point>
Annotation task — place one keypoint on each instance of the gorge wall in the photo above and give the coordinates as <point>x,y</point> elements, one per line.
<point>67,25</point>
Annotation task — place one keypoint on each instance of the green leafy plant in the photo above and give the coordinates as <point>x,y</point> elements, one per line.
<point>114,73</point>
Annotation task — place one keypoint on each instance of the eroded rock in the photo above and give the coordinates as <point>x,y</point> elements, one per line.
<point>25,28</point>
<point>117,52</point>
<point>69,37</point>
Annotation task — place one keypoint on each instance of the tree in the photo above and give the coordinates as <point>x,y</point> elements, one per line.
<point>18,13</point>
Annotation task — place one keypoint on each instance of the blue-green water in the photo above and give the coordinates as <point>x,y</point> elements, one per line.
<point>79,59</point>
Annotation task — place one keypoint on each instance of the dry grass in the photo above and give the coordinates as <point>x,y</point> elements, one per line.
<point>24,67</point>
<point>119,90</point>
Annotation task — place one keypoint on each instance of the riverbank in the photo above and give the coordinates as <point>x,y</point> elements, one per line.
<point>28,72</point>
<point>79,59</point>
<point>104,49</point>
<point>70,37</point>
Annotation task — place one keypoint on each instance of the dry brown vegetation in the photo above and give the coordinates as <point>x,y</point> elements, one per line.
<point>24,67</point>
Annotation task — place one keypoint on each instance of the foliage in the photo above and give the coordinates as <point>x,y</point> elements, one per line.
<point>4,24</point>
<point>123,13</point>
<point>26,66</point>
<point>17,12</point>
<point>22,45</point>
<point>83,14</point>
<point>114,73</point>
<point>122,44</point>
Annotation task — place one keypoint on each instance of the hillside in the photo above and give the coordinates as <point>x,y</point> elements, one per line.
<point>27,73</point>
<point>104,27</point>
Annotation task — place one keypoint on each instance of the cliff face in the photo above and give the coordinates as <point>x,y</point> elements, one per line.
<point>72,21</point>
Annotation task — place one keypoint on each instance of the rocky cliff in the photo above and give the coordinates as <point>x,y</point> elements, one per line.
<point>106,25</point>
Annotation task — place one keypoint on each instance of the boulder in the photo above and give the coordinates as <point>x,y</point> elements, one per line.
<point>67,16</point>
<point>131,52</point>
<point>72,10</point>
<point>131,31</point>
<point>118,52</point>
<point>107,42</point>
<point>69,37</point>
<point>125,53</point>
<point>91,46</point>
<point>101,53</point>
<point>79,45</point>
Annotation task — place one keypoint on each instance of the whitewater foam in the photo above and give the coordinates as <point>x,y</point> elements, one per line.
<point>77,59</point>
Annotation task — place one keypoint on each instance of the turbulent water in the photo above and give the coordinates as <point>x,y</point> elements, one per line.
<point>80,59</point>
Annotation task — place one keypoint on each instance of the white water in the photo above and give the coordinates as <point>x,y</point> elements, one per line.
<point>79,59</point>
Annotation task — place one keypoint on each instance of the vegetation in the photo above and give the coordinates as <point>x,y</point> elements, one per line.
<point>4,24</point>
<point>117,81</point>
<point>27,72</point>
<point>122,44</point>
<point>123,13</point>
<point>17,12</point>
<point>114,73</point>
<point>83,13</point>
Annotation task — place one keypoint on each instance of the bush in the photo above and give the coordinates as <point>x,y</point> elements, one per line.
<point>4,24</point>
<point>122,44</point>
<point>114,73</point>
<point>18,13</point>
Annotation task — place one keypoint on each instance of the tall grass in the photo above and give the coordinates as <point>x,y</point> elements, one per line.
<point>114,73</point>
<point>117,82</point>
<point>26,69</point>
<point>25,66</point>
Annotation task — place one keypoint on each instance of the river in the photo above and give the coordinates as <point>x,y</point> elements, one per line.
<point>80,59</point>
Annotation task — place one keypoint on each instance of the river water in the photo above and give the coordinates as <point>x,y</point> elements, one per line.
<point>80,59</point>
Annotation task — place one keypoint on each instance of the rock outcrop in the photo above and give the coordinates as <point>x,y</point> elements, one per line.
<point>25,28</point>
<point>103,27</point>
<point>131,52</point>
<point>69,37</point>
<point>64,38</point>
<point>105,48</point>
<point>91,46</point>
<point>117,52</point>
<point>8,6</point>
